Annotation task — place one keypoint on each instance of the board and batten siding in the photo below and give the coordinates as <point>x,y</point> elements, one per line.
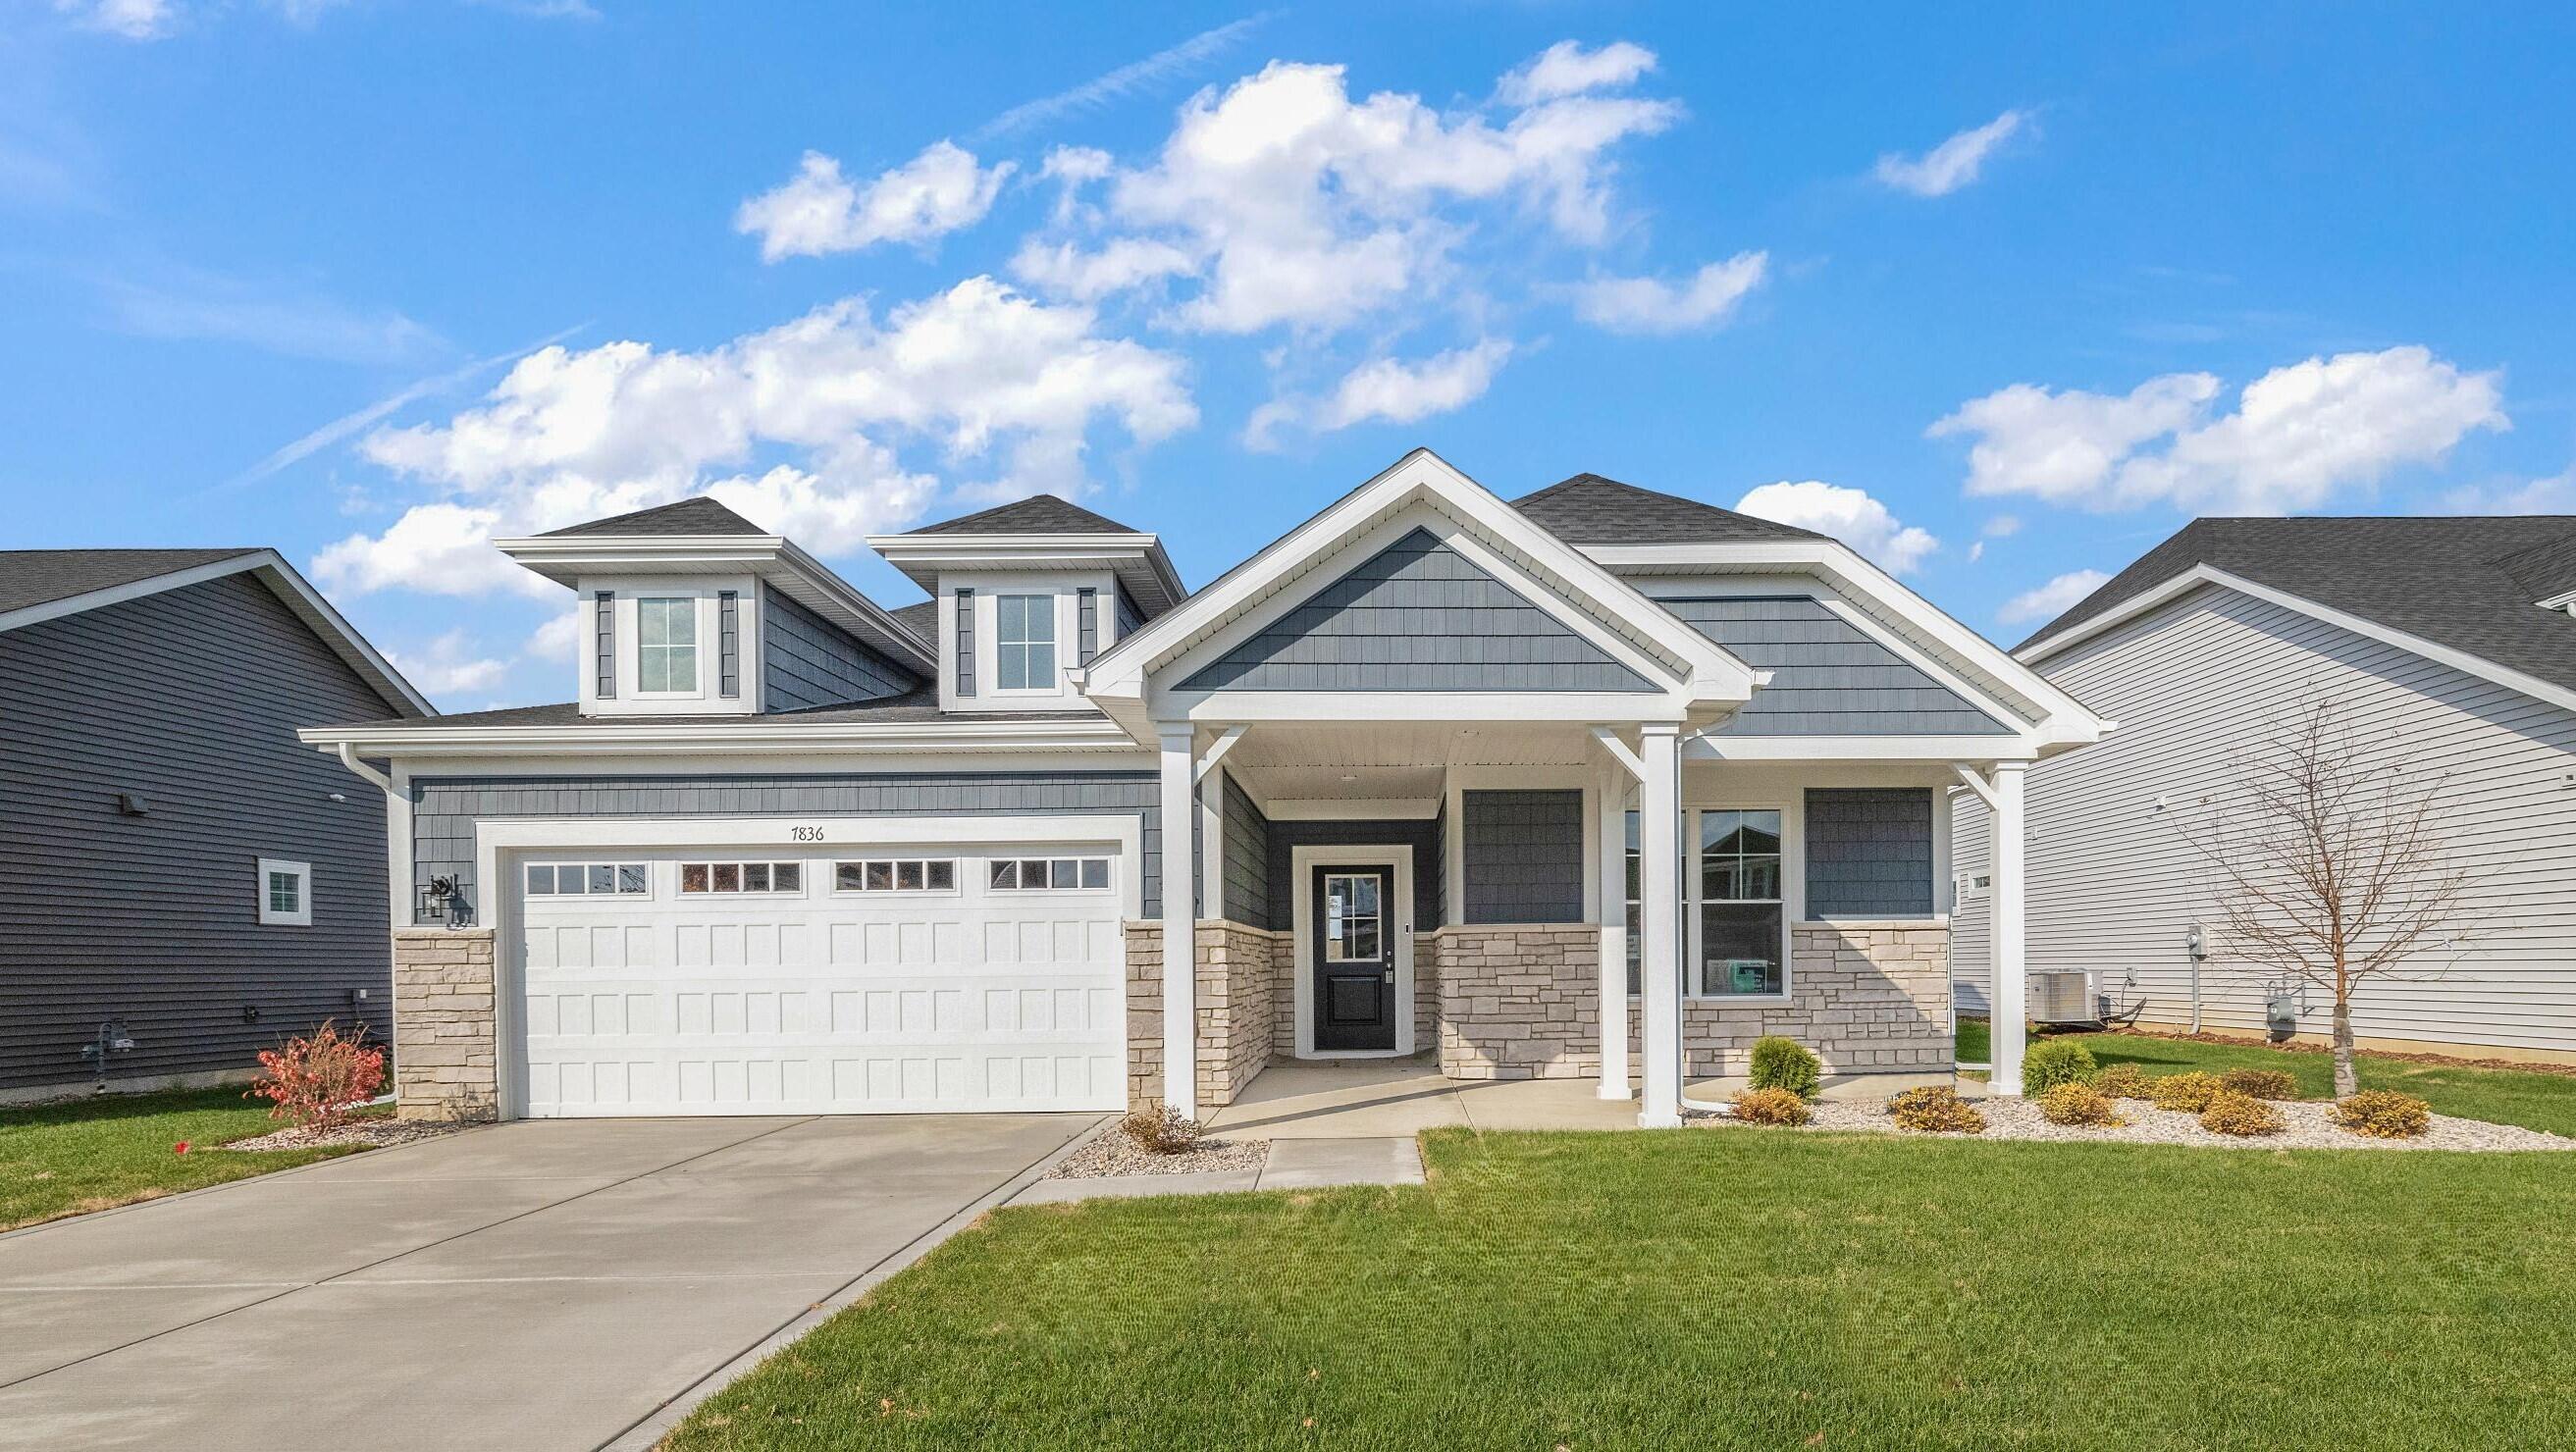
<point>189,700</point>
<point>2203,683</point>
<point>446,809</point>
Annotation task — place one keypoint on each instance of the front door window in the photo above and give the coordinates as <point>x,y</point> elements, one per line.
<point>1354,958</point>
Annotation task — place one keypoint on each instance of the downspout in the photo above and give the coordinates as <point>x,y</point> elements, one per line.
<point>349,759</point>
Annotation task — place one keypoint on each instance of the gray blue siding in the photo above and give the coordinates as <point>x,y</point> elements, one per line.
<point>1869,852</point>
<point>1524,856</point>
<point>1247,857</point>
<point>1422,836</point>
<point>189,700</point>
<point>1830,678</point>
<point>1417,616</point>
<point>446,808</point>
<point>807,662</point>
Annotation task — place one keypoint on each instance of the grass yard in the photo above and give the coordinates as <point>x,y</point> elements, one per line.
<point>89,1154</point>
<point>2498,1096</point>
<point>1975,1041</point>
<point>1732,1288</point>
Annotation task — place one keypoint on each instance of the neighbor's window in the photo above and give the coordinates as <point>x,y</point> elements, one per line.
<point>1024,638</point>
<point>667,645</point>
<point>1740,924</point>
<point>697,877</point>
<point>895,874</point>
<point>285,893</point>
<point>1026,874</point>
<point>591,879</point>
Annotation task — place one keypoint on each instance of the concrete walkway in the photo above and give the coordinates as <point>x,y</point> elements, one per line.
<point>1294,1164</point>
<point>532,1285</point>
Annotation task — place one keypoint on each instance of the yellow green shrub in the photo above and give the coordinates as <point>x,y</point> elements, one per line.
<point>2241,1115</point>
<point>2122,1081</point>
<point>2261,1083</point>
<point>2189,1093</point>
<point>2383,1114</point>
<point>1772,1106</point>
<point>1935,1109</point>
<point>2074,1103</point>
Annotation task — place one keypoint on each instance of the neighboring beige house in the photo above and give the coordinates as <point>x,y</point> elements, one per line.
<point>2449,645</point>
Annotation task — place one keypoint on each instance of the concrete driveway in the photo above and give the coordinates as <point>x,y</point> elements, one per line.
<point>531,1285</point>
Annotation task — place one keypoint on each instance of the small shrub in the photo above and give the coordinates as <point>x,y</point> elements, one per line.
<point>1162,1129</point>
<point>2383,1114</point>
<point>2051,1062</point>
<point>2189,1093</point>
<point>1780,1063</point>
<point>2122,1081</point>
<point>2242,1115</point>
<point>2076,1102</point>
<point>1935,1109</point>
<point>2261,1083</point>
<point>316,1081</point>
<point>1772,1106</point>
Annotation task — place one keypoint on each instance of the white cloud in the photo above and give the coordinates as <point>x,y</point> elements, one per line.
<point>191,303</point>
<point>1387,390</point>
<point>1289,203</point>
<point>1952,164</point>
<point>819,212</point>
<point>1976,551</point>
<point>559,640</point>
<point>1652,305</point>
<point>801,427</point>
<point>1567,69</point>
<point>2002,526</point>
<point>125,19</point>
<point>449,663</point>
<point>1126,80</point>
<point>2049,601</point>
<point>2553,495</point>
<point>1847,514</point>
<point>2299,435</point>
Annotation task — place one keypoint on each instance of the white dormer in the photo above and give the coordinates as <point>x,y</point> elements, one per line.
<point>688,610</point>
<point>1028,594</point>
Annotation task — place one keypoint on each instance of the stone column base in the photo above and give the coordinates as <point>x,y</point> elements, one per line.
<point>446,1033</point>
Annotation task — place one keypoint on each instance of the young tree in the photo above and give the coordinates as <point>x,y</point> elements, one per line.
<point>2331,870</point>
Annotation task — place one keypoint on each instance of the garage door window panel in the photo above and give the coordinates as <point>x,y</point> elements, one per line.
<point>1051,874</point>
<point>736,878</point>
<point>588,879</point>
<point>896,874</point>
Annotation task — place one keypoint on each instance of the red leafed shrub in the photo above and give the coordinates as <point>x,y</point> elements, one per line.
<point>318,1080</point>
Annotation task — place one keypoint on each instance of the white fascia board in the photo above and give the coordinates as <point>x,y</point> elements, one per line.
<point>2199,575</point>
<point>2062,716</point>
<point>1711,670</point>
<point>309,605</point>
<point>1352,809</point>
<point>775,559</point>
<point>643,735</point>
<point>1944,749</point>
<point>682,765</point>
<point>924,558</point>
<point>1217,708</point>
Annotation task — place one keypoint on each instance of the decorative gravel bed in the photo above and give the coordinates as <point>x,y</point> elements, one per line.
<point>2308,1128</point>
<point>1111,1152</point>
<point>377,1133</point>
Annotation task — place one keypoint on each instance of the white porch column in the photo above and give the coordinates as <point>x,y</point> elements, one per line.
<point>1613,832</point>
<point>1180,923</point>
<point>1659,805</point>
<point>2007,1010</point>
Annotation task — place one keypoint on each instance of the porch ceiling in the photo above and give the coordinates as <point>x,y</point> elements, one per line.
<point>1369,760</point>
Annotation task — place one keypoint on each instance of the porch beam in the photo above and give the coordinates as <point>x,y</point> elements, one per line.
<point>1619,752</point>
<point>1180,921</point>
<point>1216,751</point>
<point>1659,908</point>
<point>2007,1010</point>
<point>1975,782</point>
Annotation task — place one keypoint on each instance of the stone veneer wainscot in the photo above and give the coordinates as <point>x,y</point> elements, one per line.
<point>446,1039</point>
<point>1239,1003</point>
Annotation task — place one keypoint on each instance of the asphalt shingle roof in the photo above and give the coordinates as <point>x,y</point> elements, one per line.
<point>921,619</point>
<point>917,706</point>
<point>1588,509</point>
<point>2469,583</point>
<point>1037,514</point>
<point>40,577</point>
<point>700,515</point>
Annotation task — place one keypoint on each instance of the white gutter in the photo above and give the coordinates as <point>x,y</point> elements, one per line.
<point>349,759</point>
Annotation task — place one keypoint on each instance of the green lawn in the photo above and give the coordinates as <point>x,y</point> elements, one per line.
<point>88,1154</point>
<point>1974,1041</point>
<point>2499,1096</point>
<point>1732,1288</point>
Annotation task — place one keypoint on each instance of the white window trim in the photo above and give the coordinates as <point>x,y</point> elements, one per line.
<point>631,699</point>
<point>1302,861</point>
<point>1792,897</point>
<point>988,628</point>
<point>989,586</point>
<point>700,617</point>
<point>302,917</point>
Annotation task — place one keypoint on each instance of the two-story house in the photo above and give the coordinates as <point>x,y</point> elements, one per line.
<point>1599,782</point>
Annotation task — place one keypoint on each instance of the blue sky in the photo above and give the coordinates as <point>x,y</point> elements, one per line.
<point>2001,299</point>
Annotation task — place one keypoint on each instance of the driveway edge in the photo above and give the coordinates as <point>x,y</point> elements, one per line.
<point>648,1433</point>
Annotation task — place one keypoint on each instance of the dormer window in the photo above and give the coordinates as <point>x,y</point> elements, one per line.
<point>1024,642</point>
<point>666,645</point>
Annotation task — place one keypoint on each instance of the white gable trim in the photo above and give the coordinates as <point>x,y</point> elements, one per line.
<point>317,613</point>
<point>2200,575</point>
<point>1493,530</point>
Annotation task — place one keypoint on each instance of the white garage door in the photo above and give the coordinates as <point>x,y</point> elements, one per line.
<point>853,981</point>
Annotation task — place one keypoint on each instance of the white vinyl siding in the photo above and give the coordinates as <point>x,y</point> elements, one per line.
<point>2198,685</point>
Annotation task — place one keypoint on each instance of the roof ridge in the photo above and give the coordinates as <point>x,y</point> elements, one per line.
<point>720,516</point>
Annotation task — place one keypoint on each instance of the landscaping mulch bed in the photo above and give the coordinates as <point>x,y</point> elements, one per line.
<point>1112,1153</point>
<point>373,1133</point>
<point>2307,1128</point>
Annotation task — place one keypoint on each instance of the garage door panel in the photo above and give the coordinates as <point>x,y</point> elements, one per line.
<point>821,1001</point>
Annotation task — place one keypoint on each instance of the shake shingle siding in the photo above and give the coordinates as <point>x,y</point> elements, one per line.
<point>1869,852</point>
<point>1524,856</point>
<point>1417,616</point>
<point>1285,837</point>
<point>807,662</point>
<point>448,807</point>
<point>1829,678</point>
<point>2199,687</point>
<point>1247,857</point>
<point>189,700</point>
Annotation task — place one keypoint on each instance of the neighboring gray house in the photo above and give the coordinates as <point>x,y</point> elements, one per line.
<point>788,851</point>
<point>171,858</point>
<point>2448,646</point>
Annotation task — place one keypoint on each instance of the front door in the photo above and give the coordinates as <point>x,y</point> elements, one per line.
<point>1354,945</point>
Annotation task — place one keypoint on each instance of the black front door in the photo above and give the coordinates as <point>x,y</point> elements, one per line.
<point>1354,937</point>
